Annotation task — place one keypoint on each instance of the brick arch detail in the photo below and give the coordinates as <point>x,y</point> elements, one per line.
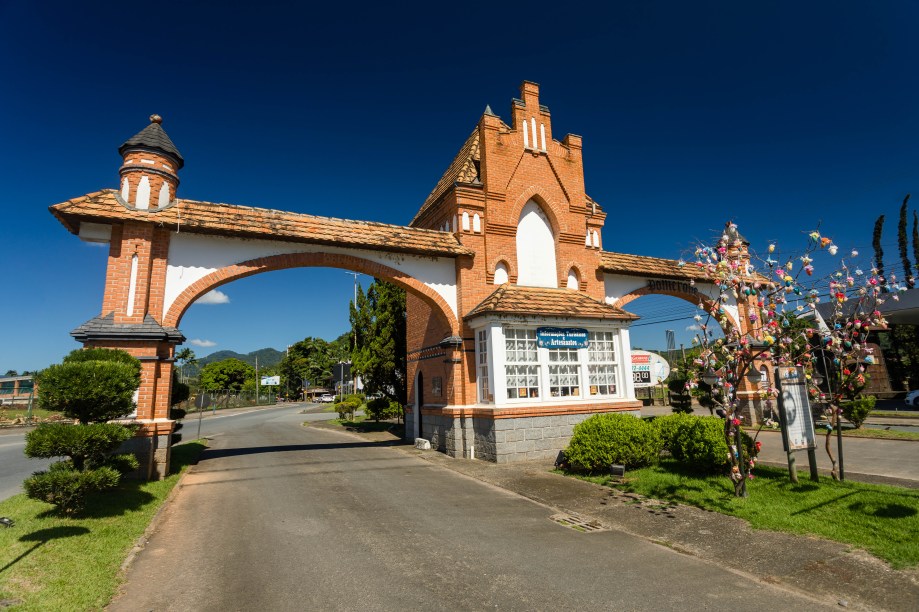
<point>545,201</point>
<point>493,265</point>
<point>689,297</point>
<point>578,268</point>
<point>303,260</point>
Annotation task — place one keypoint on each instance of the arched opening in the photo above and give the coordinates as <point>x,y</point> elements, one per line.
<point>442,311</point>
<point>574,280</point>
<point>419,402</point>
<point>501,275</point>
<point>671,325</point>
<point>536,265</point>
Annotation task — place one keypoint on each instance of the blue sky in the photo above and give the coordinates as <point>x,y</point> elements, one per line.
<point>777,115</point>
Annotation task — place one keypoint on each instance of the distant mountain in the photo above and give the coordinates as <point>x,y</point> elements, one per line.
<point>266,357</point>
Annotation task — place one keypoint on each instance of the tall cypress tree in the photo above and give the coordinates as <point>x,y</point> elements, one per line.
<point>380,355</point>
<point>916,240</point>
<point>878,251</point>
<point>903,244</point>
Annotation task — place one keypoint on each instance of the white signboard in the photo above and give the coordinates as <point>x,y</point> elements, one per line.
<point>795,408</point>
<point>648,368</point>
<point>271,381</point>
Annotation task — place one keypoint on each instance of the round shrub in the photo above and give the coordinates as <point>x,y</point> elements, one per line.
<point>857,410</point>
<point>699,443</point>
<point>383,408</point>
<point>668,426</point>
<point>604,439</point>
<point>67,488</point>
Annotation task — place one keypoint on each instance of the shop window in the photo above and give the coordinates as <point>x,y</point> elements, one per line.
<point>564,379</point>
<point>601,368</point>
<point>521,371</point>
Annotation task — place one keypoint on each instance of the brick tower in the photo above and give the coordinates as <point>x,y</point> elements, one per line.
<point>149,174</point>
<point>132,305</point>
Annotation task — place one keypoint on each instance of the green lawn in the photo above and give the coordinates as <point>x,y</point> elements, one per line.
<point>12,414</point>
<point>881,519</point>
<point>49,562</point>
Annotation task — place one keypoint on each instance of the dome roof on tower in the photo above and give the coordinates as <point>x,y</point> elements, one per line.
<point>153,137</point>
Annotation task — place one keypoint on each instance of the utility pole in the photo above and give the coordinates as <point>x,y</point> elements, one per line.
<point>256,380</point>
<point>354,336</point>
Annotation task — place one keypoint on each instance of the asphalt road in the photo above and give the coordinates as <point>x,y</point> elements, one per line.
<point>16,467</point>
<point>277,516</point>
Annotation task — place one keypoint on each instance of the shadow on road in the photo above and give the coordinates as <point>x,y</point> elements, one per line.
<point>254,450</point>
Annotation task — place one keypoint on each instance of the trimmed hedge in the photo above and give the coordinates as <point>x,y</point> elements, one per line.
<point>857,410</point>
<point>699,443</point>
<point>669,425</point>
<point>383,408</point>
<point>604,439</point>
<point>67,488</point>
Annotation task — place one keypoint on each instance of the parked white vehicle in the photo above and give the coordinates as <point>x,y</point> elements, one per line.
<point>326,398</point>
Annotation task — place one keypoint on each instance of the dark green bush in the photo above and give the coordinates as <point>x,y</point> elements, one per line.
<point>699,443</point>
<point>89,391</point>
<point>604,439</point>
<point>348,406</point>
<point>67,488</point>
<point>668,426</point>
<point>857,410</point>
<point>383,408</point>
<point>87,446</point>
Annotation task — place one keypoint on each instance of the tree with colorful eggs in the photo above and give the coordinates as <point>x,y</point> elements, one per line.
<point>766,306</point>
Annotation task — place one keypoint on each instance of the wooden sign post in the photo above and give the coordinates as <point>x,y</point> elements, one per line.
<point>796,418</point>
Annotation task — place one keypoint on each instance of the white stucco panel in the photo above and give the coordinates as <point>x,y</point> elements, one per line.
<point>194,256</point>
<point>618,285</point>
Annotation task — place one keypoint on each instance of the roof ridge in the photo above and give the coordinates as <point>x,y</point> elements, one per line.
<point>456,169</point>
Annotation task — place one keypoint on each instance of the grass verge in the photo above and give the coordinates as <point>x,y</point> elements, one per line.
<point>881,519</point>
<point>49,562</point>
<point>880,434</point>
<point>900,414</point>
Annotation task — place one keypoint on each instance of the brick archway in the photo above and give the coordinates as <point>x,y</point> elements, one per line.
<point>305,260</point>
<point>693,298</point>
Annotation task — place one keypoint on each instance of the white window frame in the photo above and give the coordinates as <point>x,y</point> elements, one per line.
<point>497,365</point>
<point>596,358</point>
<point>483,367</point>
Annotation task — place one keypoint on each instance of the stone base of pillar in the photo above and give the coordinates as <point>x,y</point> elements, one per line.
<point>505,435</point>
<point>152,446</point>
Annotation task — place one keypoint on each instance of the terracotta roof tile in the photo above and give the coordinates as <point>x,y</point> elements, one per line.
<point>249,222</point>
<point>461,170</point>
<point>516,300</point>
<point>641,265</point>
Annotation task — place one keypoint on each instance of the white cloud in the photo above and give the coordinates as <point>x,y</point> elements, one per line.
<point>202,343</point>
<point>693,328</point>
<point>213,297</point>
